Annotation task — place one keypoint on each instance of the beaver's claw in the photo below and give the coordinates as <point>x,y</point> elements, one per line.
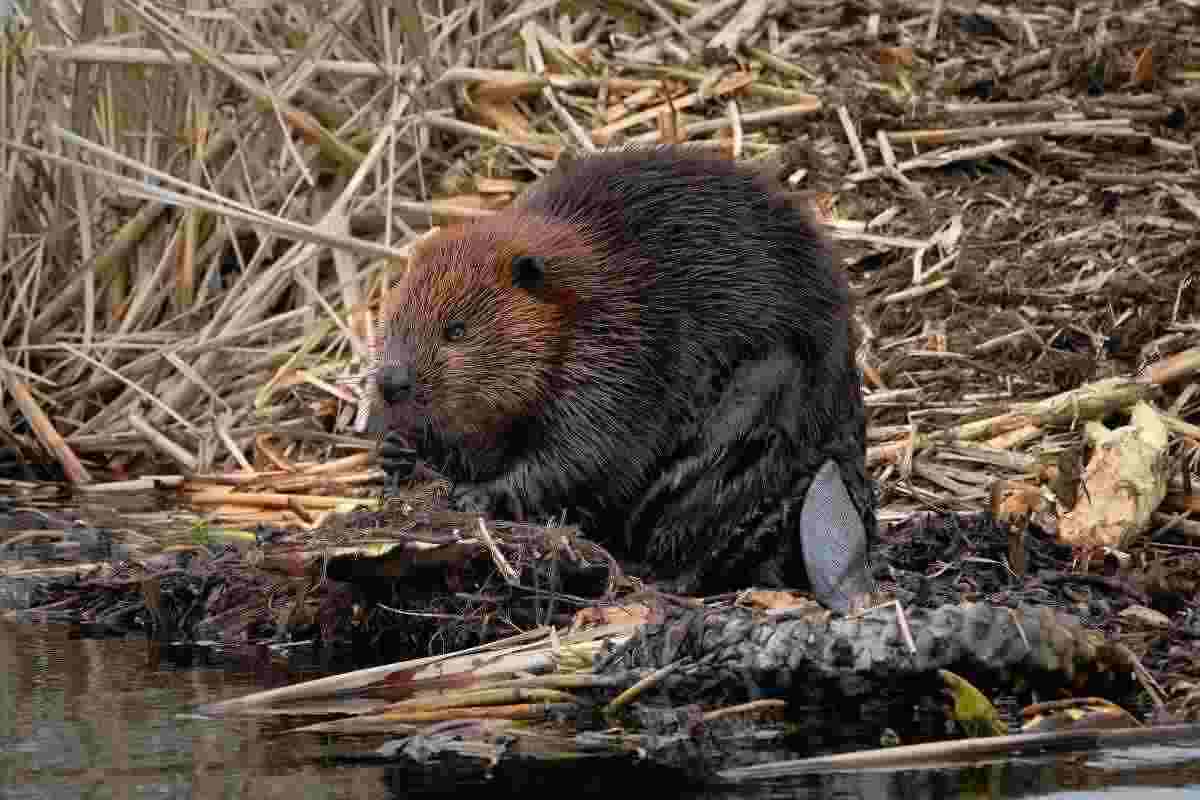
<point>396,458</point>
<point>494,498</point>
<point>471,498</point>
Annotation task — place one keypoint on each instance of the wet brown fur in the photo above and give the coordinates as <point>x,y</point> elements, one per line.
<point>521,347</point>
<point>685,365</point>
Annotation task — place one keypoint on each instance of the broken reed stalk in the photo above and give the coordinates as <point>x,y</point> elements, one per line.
<point>933,754</point>
<point>387,721</point>
<point>1092,127</point>
<point>1068,408</point>
<point>46,433</point>
<point>504,658</point>
<point>161,443</point>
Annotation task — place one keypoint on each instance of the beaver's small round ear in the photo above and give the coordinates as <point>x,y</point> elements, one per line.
<point>529,272</point>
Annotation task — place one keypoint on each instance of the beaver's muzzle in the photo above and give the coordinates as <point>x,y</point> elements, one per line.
<point>396,383</point>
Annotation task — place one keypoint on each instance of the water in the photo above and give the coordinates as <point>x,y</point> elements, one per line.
<point>95,719</point>
<point>105,719</point>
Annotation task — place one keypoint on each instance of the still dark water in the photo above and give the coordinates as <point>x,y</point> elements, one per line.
<point>102,719</point>
<point>96,719</point>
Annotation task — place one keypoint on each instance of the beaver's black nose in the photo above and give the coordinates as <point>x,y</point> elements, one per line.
<point>395,383</point>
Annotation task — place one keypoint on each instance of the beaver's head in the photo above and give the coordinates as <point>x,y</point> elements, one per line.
<point>473,334</point>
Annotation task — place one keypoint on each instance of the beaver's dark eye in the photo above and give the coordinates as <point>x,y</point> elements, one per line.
<point>455,331</point>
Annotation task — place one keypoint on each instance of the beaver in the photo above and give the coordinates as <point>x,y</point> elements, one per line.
<point>658,341</point>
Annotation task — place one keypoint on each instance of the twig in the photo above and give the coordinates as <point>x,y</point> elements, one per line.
<point>502,566</point>
<point>936,160</point>
<point>852,135</point>
<point>728,41</point>
<point>1092,127</point>
<point>46,432</point>
<point>935,18</point>
<point>161,443</point>
<point>648,682</point>
<point>752,120</point>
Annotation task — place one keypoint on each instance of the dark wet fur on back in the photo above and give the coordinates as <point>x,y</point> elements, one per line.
<point>701,373</point>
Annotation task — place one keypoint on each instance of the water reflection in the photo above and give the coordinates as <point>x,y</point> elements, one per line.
<point>1054,778</point>
<point>91,718</point>
<point>88,718</point>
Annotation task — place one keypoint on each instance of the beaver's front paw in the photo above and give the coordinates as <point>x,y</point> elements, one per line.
<point>396,458</point>
<point>494,499</point>
<point>471,498</point>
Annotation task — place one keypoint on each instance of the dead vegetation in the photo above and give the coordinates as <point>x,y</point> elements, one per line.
<point>1013,192</point>
<point>201,206</point>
